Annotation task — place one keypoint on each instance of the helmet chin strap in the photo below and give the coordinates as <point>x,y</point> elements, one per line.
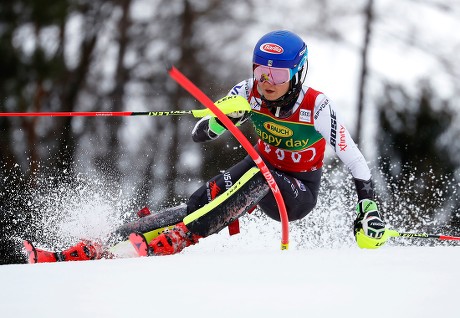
<point>285,102</point>
<point>277,113</point>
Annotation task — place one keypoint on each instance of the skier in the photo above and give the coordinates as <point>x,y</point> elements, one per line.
<point>294,123</point>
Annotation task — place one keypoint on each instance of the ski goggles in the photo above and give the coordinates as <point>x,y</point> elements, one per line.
<point>273,75</point>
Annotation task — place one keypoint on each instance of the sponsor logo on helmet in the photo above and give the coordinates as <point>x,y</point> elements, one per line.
<point>278,130</point>
<point>271,48</point>
<point>302,52</point>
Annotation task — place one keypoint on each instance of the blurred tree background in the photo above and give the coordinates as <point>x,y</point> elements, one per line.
<point>100,55</point>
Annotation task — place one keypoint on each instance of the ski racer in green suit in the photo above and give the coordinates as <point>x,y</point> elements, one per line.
<point>294,123</point>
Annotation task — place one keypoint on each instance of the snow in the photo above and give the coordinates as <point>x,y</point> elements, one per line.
<point>344,282</point>
<point>323,274</point>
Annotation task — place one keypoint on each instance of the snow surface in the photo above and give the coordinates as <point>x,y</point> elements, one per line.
<point>393,281</point>
<point>323,274</point>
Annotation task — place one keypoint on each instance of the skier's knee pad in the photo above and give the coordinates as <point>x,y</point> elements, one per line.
<point>228,206</point>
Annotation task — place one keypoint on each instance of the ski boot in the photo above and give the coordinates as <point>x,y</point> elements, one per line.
<point>83,251</point>
<point>171,241</point>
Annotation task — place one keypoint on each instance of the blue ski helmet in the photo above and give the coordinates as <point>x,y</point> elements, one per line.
<point>282,49</point>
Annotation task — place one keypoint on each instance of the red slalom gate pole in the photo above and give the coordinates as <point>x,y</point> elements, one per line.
<point>182,80</point>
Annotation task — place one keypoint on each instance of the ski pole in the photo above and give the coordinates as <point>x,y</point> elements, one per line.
<point>198,113</point>
<point>393,233</point>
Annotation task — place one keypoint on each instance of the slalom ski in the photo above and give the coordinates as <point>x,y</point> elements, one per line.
<point>139,243</point>
<point>89,250</point>
<point>121,247</point>
<point>84,250</point>
<point>36,255</point>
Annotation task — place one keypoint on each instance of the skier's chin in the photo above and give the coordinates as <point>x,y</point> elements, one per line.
<point>271,96</point>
